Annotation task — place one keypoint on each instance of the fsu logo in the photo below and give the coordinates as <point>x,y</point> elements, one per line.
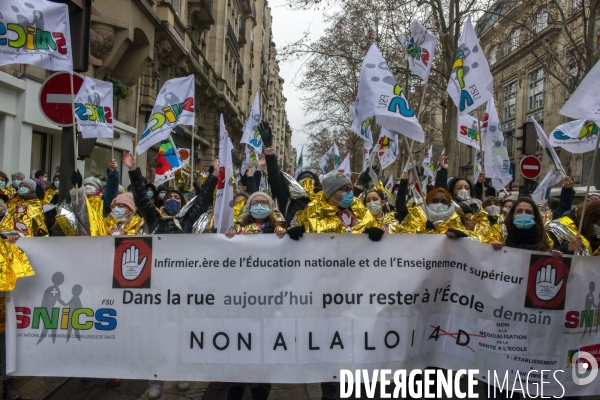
<point>132,263</point>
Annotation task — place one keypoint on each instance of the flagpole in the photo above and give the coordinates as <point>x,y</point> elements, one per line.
<point>587,191</point>
<point>192,180</point>
<point>480,152</point>
<point>74,127</point>
<point>410,159</point>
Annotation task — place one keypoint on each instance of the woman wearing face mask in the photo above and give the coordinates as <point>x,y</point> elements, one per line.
<point>335,210</point>
<point>564,231</point>
<point>27,210</point>
<point>491,205</point>
<point>123,219</point>
<point>376,201</point>
<point>51,195</point>
<point>259,217</point>
<point>173,217</point>
<point>4,183</point>
<point>506,206</point>
<point>160,197</point>
<point>16,179</point>
<point>525,229</point>
<point>152,193</point>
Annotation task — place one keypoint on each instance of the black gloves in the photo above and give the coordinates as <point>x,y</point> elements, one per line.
<point>266,134</point>
<point>375,234</point>
<point>211,169</point>
<point>296,232</point>
<point>364,177</point>
<point>76,179</point>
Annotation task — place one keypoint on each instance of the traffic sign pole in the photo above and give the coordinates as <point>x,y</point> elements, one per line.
<point>74,127</point>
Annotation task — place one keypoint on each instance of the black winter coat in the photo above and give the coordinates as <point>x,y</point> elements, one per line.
<point>288,206</point>
<point>157,224</point>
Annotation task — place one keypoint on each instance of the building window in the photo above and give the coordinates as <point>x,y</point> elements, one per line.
<point>492,55</point>
<point>513,40</point>
<point>540,21</point>
<point>535,97</point>
<point>176,4</point>
<point>510,100</point>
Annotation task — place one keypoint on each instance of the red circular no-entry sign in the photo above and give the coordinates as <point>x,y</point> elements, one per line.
<point>55,97</point>
<point>531,167</point>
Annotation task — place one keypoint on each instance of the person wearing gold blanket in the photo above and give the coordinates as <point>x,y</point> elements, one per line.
<point>564,231</point>
<point>27,210</point>
<point>335,210</point>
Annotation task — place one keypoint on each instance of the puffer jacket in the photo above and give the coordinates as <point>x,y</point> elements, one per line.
<point>156,221</point>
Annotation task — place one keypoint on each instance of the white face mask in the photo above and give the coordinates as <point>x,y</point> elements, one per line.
<point>493,210</point>
<point>506,210</point>
<point>438,207</point>
<point>463,194</point>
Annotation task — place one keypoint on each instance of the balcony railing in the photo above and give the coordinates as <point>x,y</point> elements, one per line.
<point>242,36</point>
<point>232,39</point>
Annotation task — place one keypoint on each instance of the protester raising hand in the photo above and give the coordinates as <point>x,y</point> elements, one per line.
<point>129,160</point>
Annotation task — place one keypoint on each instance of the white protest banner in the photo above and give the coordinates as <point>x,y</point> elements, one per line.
<point>420,49</point>
<point>542,191</point>
<point>496,162</point>
<point>577,136</point>
<point>334,153</point>
<point>174,106</point>
<point>584,103</point>
<point>387,148</point>
<point>468,130</point>
<point>35,32</point>
<point>93,109</point>
<point>205,308</point>
<point>548,149</point>
<point>224,200</point>
<point>380,96</point>
<point>250,133</point>
<point>471,83</point>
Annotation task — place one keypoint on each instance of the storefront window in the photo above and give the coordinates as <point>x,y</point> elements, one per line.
<point>97,163</point>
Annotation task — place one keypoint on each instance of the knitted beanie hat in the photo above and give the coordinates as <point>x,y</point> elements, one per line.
<point>125,199</point>
<point>262,194</point>
<point>333,181</point>
<point>30,183</point>
<point>94,182</point>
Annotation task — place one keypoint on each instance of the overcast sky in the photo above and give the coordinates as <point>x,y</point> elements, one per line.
<point>288,27</point>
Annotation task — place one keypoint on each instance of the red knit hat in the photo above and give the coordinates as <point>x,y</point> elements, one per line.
<point>125,199</point>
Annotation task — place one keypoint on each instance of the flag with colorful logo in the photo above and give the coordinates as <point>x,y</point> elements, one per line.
<point>548,149</point>
<point>174,106</point>
<point>223,215</point>
<point>381,97</point>
<point>250,132</point>
<point>420,48</point>
<point>579,136</point>
<point>333,154</point>
<point>496,161</point>
<point>387,148</point>
<point>468,130</point>
<point>94,109</point>
<point>471,83</point>
<point>168,162</point>
<point>35,32</point>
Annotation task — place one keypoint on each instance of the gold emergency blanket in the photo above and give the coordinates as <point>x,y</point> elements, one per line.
<point>415,222</point>
<point>321,217</point>
<point>253,228</point>
<point>130,228</point>
<point>28,216</point>
<point>564,229</point>
<point>13,265</point>
<point>95,207</point>
<point>49,195</point>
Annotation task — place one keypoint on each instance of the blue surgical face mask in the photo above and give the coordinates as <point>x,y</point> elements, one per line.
<point>2,185</point>
<point>118,213</point>
<point>56,184</point>
<point>150,194</point>
<point>347,200</point>
<point>260,211</point>
<point>16,183</point>
<point>172,206</point>
<point>374,207</point>
<point>162,195</point>
<point>523,221</point>
<point>596,230</point>
<point>23,191</point>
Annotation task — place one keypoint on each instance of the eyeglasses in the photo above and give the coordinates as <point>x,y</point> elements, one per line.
<point>345,189</point>
<point>254,203</point>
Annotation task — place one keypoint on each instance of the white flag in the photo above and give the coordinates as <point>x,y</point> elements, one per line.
<point>380,96</point>
<point>577,136</point>
<point>345,167</point>
<point>584,103</point>
<point>250,133</point>
<point>496,160</point>
<point>477,164</point>
<point>224,200</point>
<point>428,167</point>
<point>548,149</point>
<point>363,130</point>
<point>471,83</point>
<point>390,183</point>
<point>174,106</point>
<point>94,109</point>
<point>542,192</point>
<point>420,48</point>
<point>300,166</point>
<point>387,147</point>
<point>411,176</point>
<point>332,152</point>
<point>35,32</point>
<point>468,130</point>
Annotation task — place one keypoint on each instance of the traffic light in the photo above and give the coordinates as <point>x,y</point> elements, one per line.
<point>80,12</point>
<point>529,139</point>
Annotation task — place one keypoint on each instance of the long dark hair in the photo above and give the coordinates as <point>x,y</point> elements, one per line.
<point>453,183</point>
<point>381,195</point>
<point>592,215</point>
<point>249,219</point>
<point>514,237</point>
